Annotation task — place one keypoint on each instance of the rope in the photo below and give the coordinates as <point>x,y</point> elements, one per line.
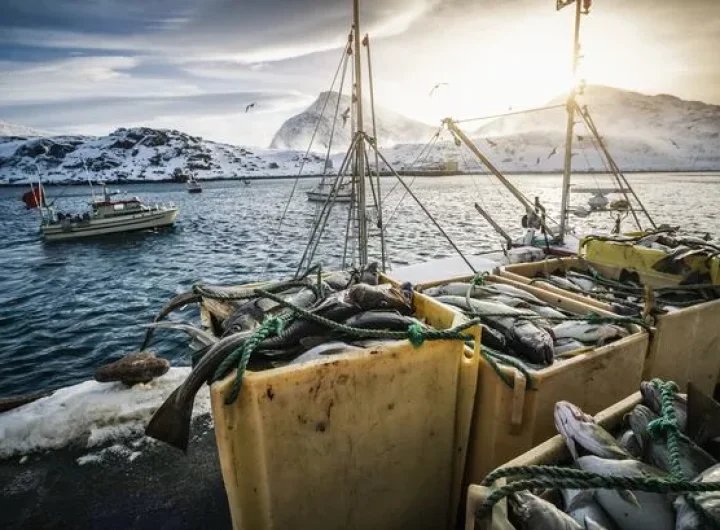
<point>535,109</point>
<point>302,164</point>
<point>241,356</point>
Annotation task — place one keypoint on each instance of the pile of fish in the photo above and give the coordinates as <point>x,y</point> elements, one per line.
<point>517,323</point>
<point>351,298</point>
<point>633,453</point>
<point>628,296</point>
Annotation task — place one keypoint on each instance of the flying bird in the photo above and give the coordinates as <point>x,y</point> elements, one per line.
<point>433,89</point>
<point>489,141</point>
<point>250,106</point>
<point>345,115</point>
<point>538,161</point>
<point>552,152</point>
<point>674,143</point>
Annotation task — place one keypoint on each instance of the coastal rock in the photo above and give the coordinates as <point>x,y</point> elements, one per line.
<point>138,367</point>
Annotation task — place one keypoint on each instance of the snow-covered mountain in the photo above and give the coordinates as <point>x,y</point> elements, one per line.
<point>642,133</point>
<point>140,154</point>
<point>14,129</point>
<point>392,128</point>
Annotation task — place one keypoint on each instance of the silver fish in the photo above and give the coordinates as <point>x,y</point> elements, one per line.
<point>176,302</point>
<point>651,399</point>
<point>563,346</point>
<point>581,505</point>
<point>637,510</point>
<point>533,513</point>
<point>588,333</point>
<point>629,443</point>
<point>687,517</point>
<point>580,431</point>
<point>693,459</point>
<point>171,422</point>
<point>323,351</point>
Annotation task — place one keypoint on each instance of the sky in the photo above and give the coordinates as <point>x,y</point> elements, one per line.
<point>90,66</point>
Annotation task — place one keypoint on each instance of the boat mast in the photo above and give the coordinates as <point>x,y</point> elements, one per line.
<point>564,204</point>
<point>360,143</point>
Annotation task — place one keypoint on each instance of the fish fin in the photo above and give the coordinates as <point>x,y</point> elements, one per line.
<point>171,422</point>
<point>629,496</point>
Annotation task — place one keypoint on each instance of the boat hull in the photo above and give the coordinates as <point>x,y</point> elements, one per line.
<point>101,227</point>
<point>319,196</point>
<point>195,190</point>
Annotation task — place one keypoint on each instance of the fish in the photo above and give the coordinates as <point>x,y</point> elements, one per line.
<point>325,350</point>
<point>693,459</point>
<point>522,336</point>
<point>580,431</point>
<point>581,281</point>
<point>566,345</point>
<point>703,420</point>
<point>530,512</point>
<point>581,506</point>
<point>687,517</point>
<point>200,335</point>
<point>592,524</point>
<point>387,320</point>
<point>651,399</point>
<point>636,510</point>
<point>546,311</point>
<point>561,282</point>
<point>133,368</point>
<point>176,302</point>
<point>368,296</point>
<point>455,289</point>
<point>171,421</point>
<point>629,443</point>
<point>588,332</point>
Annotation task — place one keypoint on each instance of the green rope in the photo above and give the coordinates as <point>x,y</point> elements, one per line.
<point>667,425</point>
<point>549,477</point>
<point>479,278</point>
<point>241,356</point>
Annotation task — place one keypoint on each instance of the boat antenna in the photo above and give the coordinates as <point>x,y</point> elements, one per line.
<point>581,7</point>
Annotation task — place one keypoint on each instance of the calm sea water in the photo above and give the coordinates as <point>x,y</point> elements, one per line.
<point>66,308</point>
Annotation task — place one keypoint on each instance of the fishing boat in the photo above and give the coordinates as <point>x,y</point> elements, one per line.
<point>106,216</point>
<point>324,192</point>
<point>193,186</point>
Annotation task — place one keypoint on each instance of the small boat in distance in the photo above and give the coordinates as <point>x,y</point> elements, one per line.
<point>193,186</point>
<point>324,191</point>
<point>106,216</point>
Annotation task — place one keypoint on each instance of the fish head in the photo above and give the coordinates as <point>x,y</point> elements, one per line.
<point>568,421</point>
<point>380,297</point>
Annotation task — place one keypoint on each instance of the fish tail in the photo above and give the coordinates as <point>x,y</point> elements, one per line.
<point>171,422</point>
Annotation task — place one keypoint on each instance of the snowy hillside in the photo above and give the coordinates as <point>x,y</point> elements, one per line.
<point>140,154</point>
<point>642,132</point>
<point>13,129</point>
<point>392,127</point>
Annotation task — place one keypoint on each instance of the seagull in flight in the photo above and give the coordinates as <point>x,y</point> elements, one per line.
<point>250,106</point>
<point>552,152</point>
<point>433,89</point>
<point>674,143</point>
<point>489,141</point>
<point>345,115</point>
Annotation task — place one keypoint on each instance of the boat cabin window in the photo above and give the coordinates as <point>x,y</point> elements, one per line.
<point>119,206</point>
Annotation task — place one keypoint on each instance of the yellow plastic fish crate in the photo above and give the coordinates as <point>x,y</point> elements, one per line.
<point>365,440</point>
<point>641,260</point>
<point>552,452</point>
<point>684,345</point>
<point>509,421</point>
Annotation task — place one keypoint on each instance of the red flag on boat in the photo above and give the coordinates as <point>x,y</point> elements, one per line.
<point>34,198</point>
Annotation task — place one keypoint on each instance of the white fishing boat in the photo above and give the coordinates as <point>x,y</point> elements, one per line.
<point>324,192</point>
<point>193,186</point>
<point>106,216</point>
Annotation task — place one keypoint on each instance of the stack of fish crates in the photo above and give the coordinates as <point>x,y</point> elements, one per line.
<point>684,344</point>
<point>364,440</point>
<point>509,420</point>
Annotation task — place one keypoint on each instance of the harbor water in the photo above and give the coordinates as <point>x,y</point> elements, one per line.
<point>66,308</point>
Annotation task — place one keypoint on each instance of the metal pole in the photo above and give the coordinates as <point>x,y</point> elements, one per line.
<point>360,146</point>
<point>366,42</point>
<point>564,203</point>
<point>495,171</point>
